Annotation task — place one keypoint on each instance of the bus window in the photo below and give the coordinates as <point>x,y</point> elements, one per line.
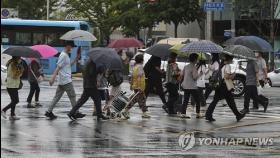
<point>84,27</point>
<point>23,38</point>
<point>38,38</point>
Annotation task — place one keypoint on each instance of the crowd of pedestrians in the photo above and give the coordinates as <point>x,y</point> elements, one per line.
<point>144,80</point>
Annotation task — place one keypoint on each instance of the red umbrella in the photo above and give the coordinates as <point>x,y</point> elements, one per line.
<point>126,43</point>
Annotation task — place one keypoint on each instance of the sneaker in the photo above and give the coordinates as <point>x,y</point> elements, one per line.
<point>94,113</point>
<point>102,117</point>
<point>50,115</point>
<point>29,105</point>
<point>164,107</point>
<point>72,117</point>
<point>245,111</point>
<point>3,114</point>
<point>38,104</point>
<point>12,118</point>
<point>198,115</point>
<point>210,119</point>
<point>185,116</point>
<point>79,115</point>
<point>239,117</point>
<point>125,114</point>
<point>190,109</point>
<point>145,115</point>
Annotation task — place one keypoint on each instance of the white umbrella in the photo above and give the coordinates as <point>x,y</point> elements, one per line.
<point>78,35</point>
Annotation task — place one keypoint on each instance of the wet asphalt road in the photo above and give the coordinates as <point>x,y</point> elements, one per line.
<point>35,136</point>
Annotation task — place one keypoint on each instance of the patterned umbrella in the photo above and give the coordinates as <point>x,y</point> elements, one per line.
<point>126,43</point>
<point>253,42</point>
<point>240,51</point>
<point>203,46</point>
<point>160,50</point>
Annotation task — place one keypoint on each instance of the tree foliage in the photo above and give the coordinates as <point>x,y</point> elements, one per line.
<point>30,9</point>
<point>98,12</point>
<point>180,11</point>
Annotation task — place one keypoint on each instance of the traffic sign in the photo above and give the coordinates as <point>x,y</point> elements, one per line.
<point>214,6</point>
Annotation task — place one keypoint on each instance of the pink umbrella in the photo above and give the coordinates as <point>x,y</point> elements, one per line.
<point>126,43</point>
<point>45,50</point>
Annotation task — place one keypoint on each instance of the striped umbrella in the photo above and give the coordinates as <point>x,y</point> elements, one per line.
<point>203,46</point>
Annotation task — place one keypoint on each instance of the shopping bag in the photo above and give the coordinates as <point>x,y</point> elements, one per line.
<point>260,90</point>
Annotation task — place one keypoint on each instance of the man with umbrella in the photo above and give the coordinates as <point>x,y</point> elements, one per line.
<point>63,71</point>
<point>90,90</point>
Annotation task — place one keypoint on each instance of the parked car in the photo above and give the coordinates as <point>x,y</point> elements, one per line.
<point>3,74</point>
<point>274,77</point>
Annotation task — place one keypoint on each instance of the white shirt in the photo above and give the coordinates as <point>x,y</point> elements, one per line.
<point>213,67</point>
<point>64,74</point>
<point>201,79</point>
<point>226,69</point>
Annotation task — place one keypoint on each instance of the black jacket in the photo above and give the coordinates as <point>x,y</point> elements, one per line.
<point>90,75</point>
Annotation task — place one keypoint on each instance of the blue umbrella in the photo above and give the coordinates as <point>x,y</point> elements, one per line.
<point>203,46</point>
<point>253,42</point>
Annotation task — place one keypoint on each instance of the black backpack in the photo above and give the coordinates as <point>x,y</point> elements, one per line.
<point>115,78</point>
<point>216,79</point>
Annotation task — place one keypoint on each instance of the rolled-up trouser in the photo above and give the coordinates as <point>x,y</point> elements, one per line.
<point>69,89</point>
<point>139,98</point>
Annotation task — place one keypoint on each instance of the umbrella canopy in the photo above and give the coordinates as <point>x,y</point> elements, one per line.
<point>240,51</point>
<point>45,50</point>
<point>160,50</point>
<point>106,56</point>
<point>175,41</point>
<point>126,43</point>
<point>253,42</point>
<point>176,49</point>
<point>203,46</point>
<point>22,52</point>
<point>78,35</point>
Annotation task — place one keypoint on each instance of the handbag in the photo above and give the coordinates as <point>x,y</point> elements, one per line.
<point>229,84</point>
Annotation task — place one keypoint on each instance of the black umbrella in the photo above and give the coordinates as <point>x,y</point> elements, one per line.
<point>160,50</point>
<point>22,52</point>
<point>106,56</point>
<point>253,42</point>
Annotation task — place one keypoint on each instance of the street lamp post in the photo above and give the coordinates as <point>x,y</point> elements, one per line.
<point>48,7</point>
<point>233,19</point>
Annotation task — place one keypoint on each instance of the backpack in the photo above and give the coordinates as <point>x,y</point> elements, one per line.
<point>115,78</point>
<point>216,79</point>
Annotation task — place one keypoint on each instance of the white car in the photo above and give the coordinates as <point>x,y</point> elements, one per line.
<point>3,74</point>
<point>274,77</point>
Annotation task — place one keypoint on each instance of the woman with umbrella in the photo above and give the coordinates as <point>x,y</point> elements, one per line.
<point>34,77</point>
<point>14,72</point>
<point>153,73</point>
<point>224,90</point>
<point>189,84</point>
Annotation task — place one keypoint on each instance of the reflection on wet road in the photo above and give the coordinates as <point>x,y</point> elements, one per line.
<point>35,136</point>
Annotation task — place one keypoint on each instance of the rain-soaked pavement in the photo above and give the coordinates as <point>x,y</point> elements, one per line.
<point>35,136</point>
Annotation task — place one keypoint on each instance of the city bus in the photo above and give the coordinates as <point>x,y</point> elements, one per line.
<point>18,32</point>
